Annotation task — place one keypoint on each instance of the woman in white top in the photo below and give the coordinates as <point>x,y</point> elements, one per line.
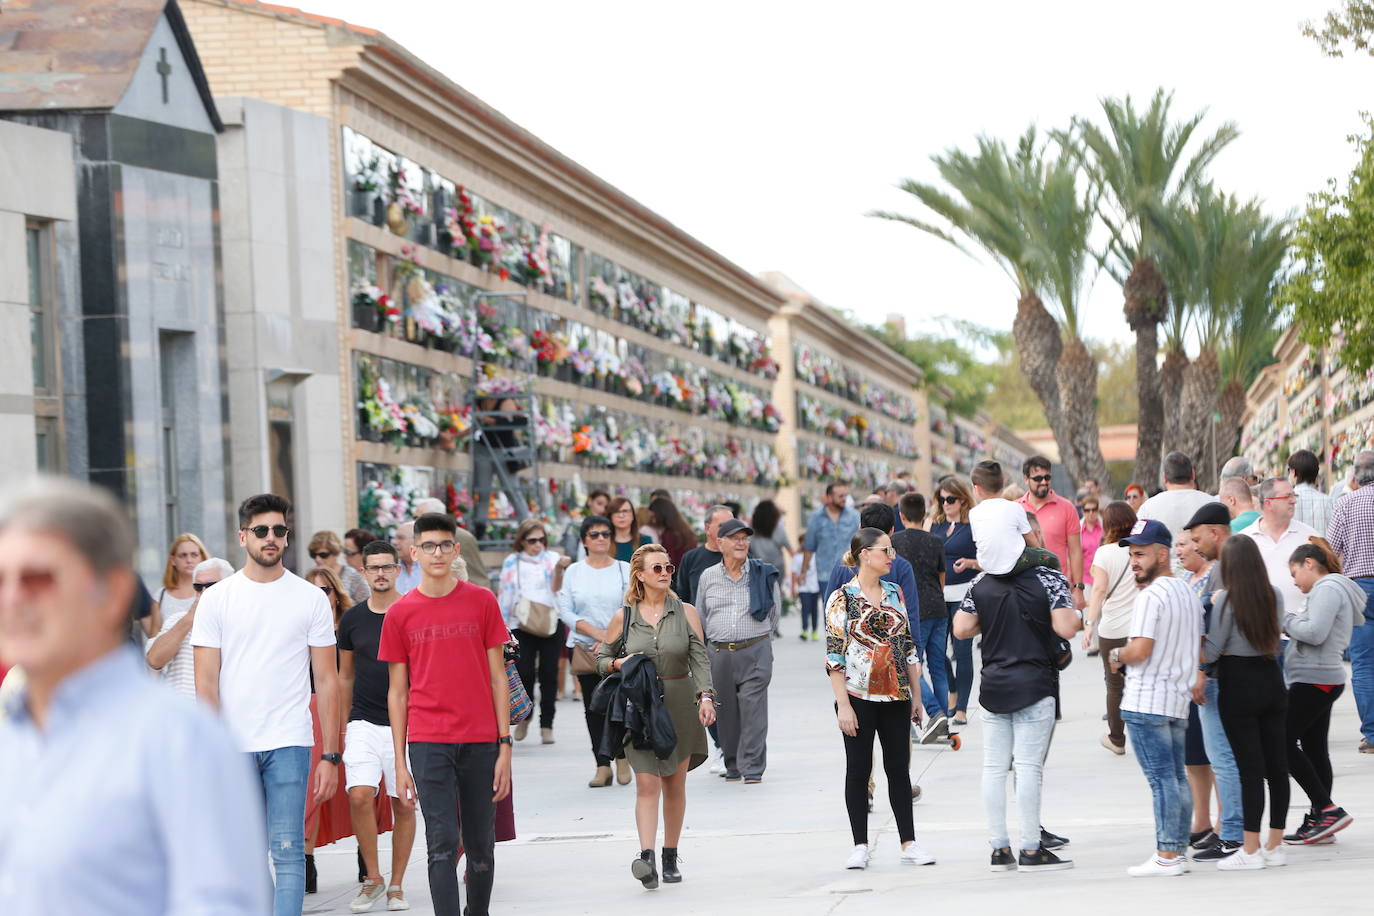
<point>177,593</point>
<point>533,573</point>
<point>593,590</point>
<point>807,589</point>
<point>1109,612</point>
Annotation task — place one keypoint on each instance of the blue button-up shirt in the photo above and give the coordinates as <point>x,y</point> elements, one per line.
<point>829,538</point>
<point>130,801</point>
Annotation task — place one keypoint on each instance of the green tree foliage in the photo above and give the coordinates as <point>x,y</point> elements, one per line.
<point>1352,23</point>
<point>946,362</point>
<point>1333,283</point>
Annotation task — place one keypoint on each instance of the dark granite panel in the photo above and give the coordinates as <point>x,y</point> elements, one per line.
<point>134,141</point>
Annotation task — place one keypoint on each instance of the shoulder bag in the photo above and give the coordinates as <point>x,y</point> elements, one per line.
<point>534,618</point>
<point>520,703</point>
<point>1058,650</point>
<point>600,699</point>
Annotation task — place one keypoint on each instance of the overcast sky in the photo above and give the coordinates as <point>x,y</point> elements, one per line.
<point>768,129</point>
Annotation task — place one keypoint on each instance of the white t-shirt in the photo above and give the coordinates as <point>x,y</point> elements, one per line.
<point>999,529</point>
<point>1168,612</point>
<point>1175,509</point>
<point>1119,606</point>
<point>264,632</point>
<point>809,583</point>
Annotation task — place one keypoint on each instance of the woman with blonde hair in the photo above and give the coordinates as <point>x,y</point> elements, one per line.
<point>656,624</point>
<point>178,591</point>
<point>531,577</point>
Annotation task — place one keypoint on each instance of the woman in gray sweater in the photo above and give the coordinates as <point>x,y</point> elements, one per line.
<point>1320,633</point>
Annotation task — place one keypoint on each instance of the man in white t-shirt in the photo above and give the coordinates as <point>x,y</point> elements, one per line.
<point>1001,531</point>
<point>257,636</point>
<point>1161,663</point>
<point>1178,501</point>
<point>171,652</point>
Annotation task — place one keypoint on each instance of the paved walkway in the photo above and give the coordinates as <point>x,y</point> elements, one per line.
<point>779,847</point>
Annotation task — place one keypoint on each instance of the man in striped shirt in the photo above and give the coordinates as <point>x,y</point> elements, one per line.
<point>1161,663</point>
<point>171,652</point>
<point>1351,534</point>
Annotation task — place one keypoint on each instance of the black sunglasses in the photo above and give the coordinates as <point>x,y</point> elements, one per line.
<point>538,540</point>
<point>201,586</point>
<point>322,555</point>
<point>327,589</point>
<point>949,500</point>
<point>1039,478</point>
<point>599,533</point>
<point>260,531</point>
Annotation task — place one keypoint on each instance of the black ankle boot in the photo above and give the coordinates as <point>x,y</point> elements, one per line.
<point>670,873</point>
<point>311,877</point>
<point>644,871</point>
<point>362,868</point>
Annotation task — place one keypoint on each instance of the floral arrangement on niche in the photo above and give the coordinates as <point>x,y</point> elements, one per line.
<point>367,295</point>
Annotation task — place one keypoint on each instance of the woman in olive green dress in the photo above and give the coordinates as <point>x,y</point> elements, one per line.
<point>664,629</point>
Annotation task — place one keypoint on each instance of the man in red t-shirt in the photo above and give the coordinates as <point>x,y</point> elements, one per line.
<point>449,701</point>
<point>1058,521</point>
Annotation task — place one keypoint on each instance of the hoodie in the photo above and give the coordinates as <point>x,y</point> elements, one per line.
<point>1321,631</point>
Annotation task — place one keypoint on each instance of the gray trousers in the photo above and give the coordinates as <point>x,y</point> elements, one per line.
<point>741,679</point>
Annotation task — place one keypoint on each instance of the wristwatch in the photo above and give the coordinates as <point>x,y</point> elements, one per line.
<point>335,759</point>
<point>504,739</point>
<point>1078,586</point>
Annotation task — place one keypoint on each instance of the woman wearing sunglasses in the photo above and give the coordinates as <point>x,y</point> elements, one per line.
<point>530,578</point>
<point>872,663</point>
<point>950,524</point>
<point>593,590</point>
<point>326,550</point>
<point>656,623</point>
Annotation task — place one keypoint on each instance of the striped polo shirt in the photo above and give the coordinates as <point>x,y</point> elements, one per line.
<point>1168,612</point>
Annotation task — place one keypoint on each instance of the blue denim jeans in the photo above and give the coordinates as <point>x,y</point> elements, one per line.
<point>962,680</point>
<point>1223,766</point>
<point>1159,743</point>
<point>935,687</point>
<point>1362,663</point>
<point>285,774</point>
<point>1022,739</point>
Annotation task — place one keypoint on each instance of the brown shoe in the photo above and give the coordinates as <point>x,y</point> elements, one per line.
<point>521,728</point>
<point>622,771</point>
<point>546,736</point>
<point>601,779</point>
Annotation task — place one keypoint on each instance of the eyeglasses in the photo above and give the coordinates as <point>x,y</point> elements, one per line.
<point>388,568</point>
<point>260,531</point>
<point>444,547</point>
<point>890,551</point>
<point>539,540</point>
<point>322,555</point>
<point>201,586</point>
<point>601,533</point>
<point>1039,478</point>
<point>659,569</point>
<point>1089,508</point>
<point>327,589</point>
<point>1291,497</point>
<point>33,581</point>
<point>949,500</point>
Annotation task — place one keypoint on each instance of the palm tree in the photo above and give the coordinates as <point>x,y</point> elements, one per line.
<point>1143,163</point>
<point>1027,212</point>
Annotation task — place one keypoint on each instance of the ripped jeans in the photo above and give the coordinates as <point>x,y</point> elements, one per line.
<point>454,785</point>
<point>285,773</point>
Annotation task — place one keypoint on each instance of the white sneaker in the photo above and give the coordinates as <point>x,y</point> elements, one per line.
<point>396,900</point>
<point>1274,858</point>
<point>368,894</point>
<point>858,858</point>
<point>1154,868</point>
<point>915,855</point>
<point>717,761</point>
<point>1240,860</point>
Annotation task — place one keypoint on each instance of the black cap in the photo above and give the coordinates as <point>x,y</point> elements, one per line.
<point>733,526</point>
<point>1212,513</point>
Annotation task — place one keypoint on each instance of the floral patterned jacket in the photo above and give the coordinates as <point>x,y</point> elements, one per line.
<point>871,645</point>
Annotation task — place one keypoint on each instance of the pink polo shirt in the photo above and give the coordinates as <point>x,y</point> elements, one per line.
<point>1058,519</point>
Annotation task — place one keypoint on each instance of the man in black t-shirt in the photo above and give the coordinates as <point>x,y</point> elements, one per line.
<point>1015,614</point>
<point>699,559</point>
<point>930,627</point>
<point>369,754</point>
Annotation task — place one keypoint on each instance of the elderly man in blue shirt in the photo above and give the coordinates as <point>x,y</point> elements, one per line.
<point>130,799</point>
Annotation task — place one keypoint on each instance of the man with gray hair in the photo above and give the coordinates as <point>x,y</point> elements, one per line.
<point>1277,534</point>
<point>1240,468</point>
<point>409,576</point>
<point>171,652</point>
<point>1179,500</point>
<point>1351,534</point>
<point>87,829</point>
<point>892,493</point>
<point>701,558</point>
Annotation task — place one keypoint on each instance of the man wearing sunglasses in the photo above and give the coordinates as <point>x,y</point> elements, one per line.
<point>258,635</point>
<point>1059,523</point>
<point>171,652</point>
<point>126,799</point>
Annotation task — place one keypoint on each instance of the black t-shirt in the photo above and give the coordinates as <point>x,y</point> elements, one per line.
<point>1016,666</point>
<point>360,632</point>
<point>695,562</point>
<point>926,554</point>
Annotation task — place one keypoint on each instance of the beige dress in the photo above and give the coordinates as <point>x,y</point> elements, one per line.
<point>683,667</point>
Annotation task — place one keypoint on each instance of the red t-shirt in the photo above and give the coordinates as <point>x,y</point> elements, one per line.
<point>444,641</point>
<point>1058,519</point>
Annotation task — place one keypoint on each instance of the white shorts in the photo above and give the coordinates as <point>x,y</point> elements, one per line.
<point>368,756</point>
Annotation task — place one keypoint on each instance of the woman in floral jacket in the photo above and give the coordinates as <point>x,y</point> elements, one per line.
<point>874,671</point>
<point>532,572</point>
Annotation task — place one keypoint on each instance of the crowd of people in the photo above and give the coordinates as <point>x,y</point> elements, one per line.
<point>397,673</point>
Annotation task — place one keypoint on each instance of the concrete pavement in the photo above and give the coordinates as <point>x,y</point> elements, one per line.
<point>779,847</point>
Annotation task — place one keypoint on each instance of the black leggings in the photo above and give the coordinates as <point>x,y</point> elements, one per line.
<point>1253,705</point>
<point>891,722</point>
<point>595,721</point>
<point>541,654</point>
<point>1309,719</point>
